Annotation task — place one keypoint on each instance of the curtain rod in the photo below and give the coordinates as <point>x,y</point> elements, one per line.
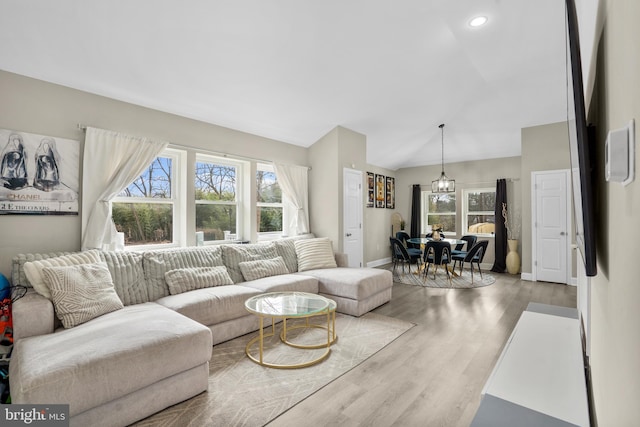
<point>471,183</point>
<point>83,128</point>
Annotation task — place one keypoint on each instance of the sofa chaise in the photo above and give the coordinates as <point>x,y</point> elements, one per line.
<point>151,347</point>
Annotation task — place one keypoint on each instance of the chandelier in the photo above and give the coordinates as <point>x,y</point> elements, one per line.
<point>443,184</point>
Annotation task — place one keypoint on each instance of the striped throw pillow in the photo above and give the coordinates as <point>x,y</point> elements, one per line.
<point>315,253</point>
<point>254,270</point>
<point>189,279</point>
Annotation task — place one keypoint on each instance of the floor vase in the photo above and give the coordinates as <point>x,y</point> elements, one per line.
<point>513,259</point>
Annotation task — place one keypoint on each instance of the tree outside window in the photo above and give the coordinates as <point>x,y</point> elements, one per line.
<point>144,210</point>
<point>439,209</point>
<point>269,200</point>
<point>216,194</point>
<point>480,211</point>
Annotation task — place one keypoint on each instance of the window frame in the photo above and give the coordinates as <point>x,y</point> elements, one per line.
<point>424,221</point>
<point>239,195</point>
<point>269,235</point>
<point>466,212</point>
<point>176,201</point>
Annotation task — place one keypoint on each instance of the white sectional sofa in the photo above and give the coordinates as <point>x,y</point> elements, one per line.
<point>154,352</point>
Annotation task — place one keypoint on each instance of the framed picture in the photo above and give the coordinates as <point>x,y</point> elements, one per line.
<point>391,192</point>
<point>370,189</point>
<point>380,191</point>
<point>39,174</point>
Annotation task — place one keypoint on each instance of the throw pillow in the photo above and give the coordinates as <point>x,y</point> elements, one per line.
<point>315,253</point>
<point>33,269</point>
<point>81,292</point>
<point>189,279</point>
<point>254,270</point>
<point>233,255</point>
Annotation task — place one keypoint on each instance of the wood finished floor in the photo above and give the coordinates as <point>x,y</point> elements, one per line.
<point>433,374</point>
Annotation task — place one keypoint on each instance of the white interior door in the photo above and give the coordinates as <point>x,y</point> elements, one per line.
<point>551,225</point>
<point>352,216</point>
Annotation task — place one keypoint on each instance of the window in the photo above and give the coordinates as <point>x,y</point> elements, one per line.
<point>479,214</point>
<point>439,209</point>
<point>268,200</point>
<point>145,211</point>
<point>216,193</point>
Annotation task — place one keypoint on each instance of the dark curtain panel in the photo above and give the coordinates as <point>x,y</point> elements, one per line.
<point>415,210</point>
<point>500,264</point>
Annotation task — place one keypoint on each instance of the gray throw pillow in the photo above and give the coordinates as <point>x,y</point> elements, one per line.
<point>254,270</point>
<point>81,292</point>
<point>189,279</point>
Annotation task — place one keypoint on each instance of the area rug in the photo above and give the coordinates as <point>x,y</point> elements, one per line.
<point>242,393</point>
<point>441,280</point>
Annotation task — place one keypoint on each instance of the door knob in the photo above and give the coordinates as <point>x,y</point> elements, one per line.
<point>348,234</point>
<point>562,233</point>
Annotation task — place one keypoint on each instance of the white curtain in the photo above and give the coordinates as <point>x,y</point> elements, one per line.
<point>111,162</point>
<point>294,182</point>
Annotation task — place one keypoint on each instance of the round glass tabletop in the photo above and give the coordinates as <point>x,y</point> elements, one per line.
<point>289,304</point>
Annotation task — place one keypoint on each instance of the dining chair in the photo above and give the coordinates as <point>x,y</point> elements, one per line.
<point>403,236</point>
<point>473,255</point>
<point>437,253</point>
<point>470,239</point>
<point>400,254</point>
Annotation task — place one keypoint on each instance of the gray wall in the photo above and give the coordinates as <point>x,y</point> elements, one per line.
<point>476,174</point>
<point>340,148</point>
<point>34,106</point>
<point>543,148</point>
<point>615,291</point>
<point>378,225</point>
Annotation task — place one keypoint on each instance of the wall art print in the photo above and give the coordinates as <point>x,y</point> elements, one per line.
<point>380,191</point>
<point>391,193</point>
<point>371,194</point>
<point>38,174</point>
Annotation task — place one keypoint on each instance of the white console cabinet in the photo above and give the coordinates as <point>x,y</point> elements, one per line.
<point>539,379</point>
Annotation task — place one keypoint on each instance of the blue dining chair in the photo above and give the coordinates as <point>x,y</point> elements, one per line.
<point>401,255</point>
<point>473,255</point>
<point>437,253</point>
<point>470,239</point>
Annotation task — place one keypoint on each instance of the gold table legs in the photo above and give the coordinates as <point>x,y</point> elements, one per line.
<point>331,338</point>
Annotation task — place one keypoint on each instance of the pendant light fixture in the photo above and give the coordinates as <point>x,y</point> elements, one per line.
<point>443,184</point>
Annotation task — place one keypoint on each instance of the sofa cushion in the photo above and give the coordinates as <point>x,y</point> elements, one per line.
<point>210,306</point>
<point>81,292</point>
<point>352,283</point>
<point>314,253</point>
<point>253,270</point>
<point>107,358</point>
<point>285,283</point>
<point>233,255</point>
<point>127,273</point>
<point>189,279</point>
<point>157,263</point>
<point>287,250</point>
<point>33,269</point>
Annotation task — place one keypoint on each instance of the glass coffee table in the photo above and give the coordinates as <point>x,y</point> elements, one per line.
<point>291,305</point>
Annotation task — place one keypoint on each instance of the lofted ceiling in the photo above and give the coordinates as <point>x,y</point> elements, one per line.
<point>292,70</point>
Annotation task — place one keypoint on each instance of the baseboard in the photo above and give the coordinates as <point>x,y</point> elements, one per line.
<point>529,277</point>
<point>379,262</point>
<point>526,276</point>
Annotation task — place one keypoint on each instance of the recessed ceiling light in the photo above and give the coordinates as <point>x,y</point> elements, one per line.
<point>478,21</point>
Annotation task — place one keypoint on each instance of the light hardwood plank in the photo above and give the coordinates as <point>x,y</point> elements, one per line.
<point>433,374</point>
